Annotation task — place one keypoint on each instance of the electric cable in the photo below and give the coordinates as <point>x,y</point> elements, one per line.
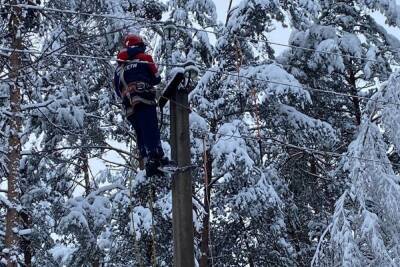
<point>156,22</point>
<point>218,72</point>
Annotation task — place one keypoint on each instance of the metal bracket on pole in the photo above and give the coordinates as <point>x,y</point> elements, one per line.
<point>171,88</point>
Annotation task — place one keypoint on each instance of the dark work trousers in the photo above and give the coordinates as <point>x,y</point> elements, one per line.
<point>145,122</point>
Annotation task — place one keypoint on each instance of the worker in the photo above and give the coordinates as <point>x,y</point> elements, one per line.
<point>134,80</point>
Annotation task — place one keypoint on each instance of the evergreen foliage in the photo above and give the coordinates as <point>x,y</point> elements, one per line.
<point>297,154</point>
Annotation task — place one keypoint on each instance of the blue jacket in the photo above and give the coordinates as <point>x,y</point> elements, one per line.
<point>137,71</point>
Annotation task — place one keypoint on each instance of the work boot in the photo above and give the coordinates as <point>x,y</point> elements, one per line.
<point>166,162</point>
<point>152,168</point>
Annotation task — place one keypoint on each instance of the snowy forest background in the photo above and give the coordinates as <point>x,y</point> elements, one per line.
<point>301,148</point>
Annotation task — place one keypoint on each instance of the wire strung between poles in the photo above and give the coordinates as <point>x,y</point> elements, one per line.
<point>203,133</point>
<point>110,59</point>
<point>241,76</point>
<point>155,22</point>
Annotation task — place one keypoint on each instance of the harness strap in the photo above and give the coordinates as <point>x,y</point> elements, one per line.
<point>130,88</point>
<point>137,100</point>
<point>122,79</point>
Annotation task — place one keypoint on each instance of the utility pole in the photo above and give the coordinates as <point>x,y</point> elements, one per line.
<point>182,209</point>
<point>182,218</point>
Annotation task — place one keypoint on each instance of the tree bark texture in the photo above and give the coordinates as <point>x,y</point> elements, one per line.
<point>205,235</point>
<point>14,142</point>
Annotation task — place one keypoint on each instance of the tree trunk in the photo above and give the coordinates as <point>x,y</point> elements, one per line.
<point>355,100</point>
<point>205,250</point>
<point>14,142</point>
<point>26,244</point>
<point>205,235</point>
<point>85,169</point>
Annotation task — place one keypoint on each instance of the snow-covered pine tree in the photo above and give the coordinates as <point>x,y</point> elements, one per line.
<point>88,222</point>
<point>364,227</point>
<point>18,26</point>
<point>248,193</point>
<point>346,52</point>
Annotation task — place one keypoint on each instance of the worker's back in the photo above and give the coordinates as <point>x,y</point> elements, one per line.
<point>139,67</point>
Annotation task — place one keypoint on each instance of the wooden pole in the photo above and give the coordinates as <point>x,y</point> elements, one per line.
<point>182,218</point>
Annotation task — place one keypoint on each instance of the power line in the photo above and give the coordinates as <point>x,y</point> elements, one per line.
<point>66,11</point>
<point>330,53</point>
<point>302,87</point>
<point>44,55</point>
<point>216,71</point>
<point>203,133</point>
<point>108,59</point>
<point>110,16</point>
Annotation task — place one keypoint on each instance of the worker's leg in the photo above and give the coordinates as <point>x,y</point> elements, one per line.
<point>146,126</point>
<point>148,123</point>
<point>134,120</point>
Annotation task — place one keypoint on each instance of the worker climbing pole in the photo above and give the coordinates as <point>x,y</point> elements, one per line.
<point>134,79</point>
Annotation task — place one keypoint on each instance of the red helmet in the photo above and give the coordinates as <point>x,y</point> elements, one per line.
<point>132,40</point>
<point>122,55</point>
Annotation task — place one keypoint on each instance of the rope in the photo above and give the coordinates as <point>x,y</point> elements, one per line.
<point>258,127</point>
<point>239,59</point>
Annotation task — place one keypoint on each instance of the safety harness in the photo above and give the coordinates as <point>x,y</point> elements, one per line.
<point>131,91</point>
